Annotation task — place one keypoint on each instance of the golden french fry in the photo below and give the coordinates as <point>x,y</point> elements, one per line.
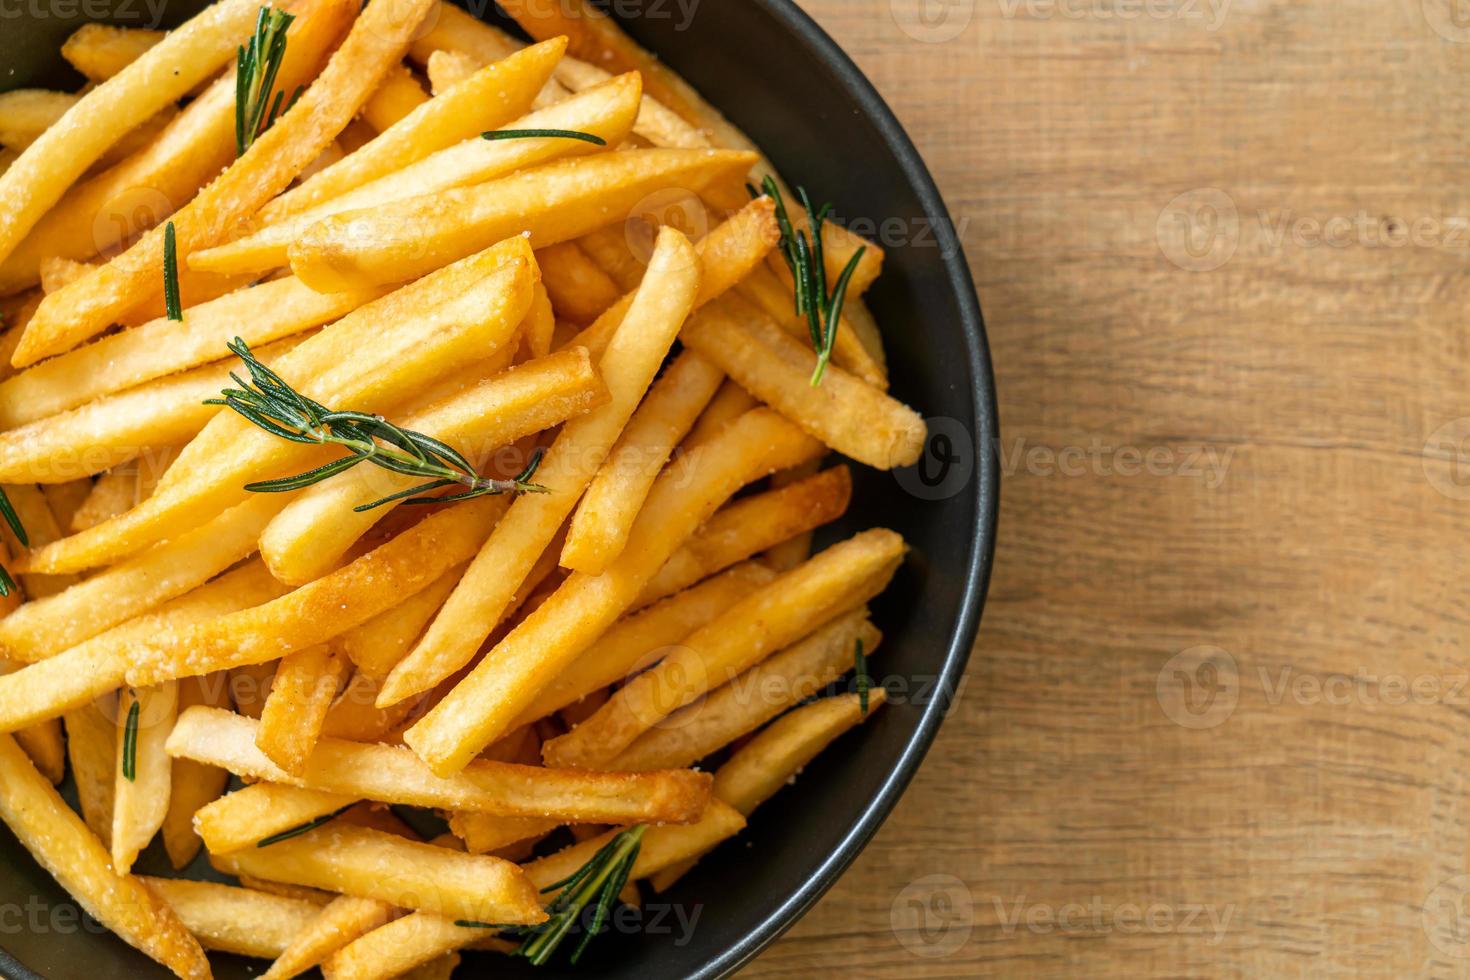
<point>144,769</point>
<point>496,95</point>
<point>600,526</point>
<point>42,528</point>
<point>549,204</point>
<point>484,833</point>
<point>863,323</point>
<point>795,550</point>
<point>374,356</point>
<point>481,707</point>
<point>119,427</point>
<point>66,498</point>
<point>158,78</point>
<point>849,415</point>
<point>378,645</point>
<point>259,315</point>
<point>750,526</point>
<point>400,946</point>
<point>43,743</point>
<point>236,920</point>
<point>305,685</point>
<point>391,774</point>
<point>368,863</point>
<point>839,579</point>
<point>608,248</point>
<point>100,51</point>
<point>91,745</point>
<point>72,679</point>
<point>47,626</point>
<point>480,601</point>
<point>729,403</point>
<point>319,526</point>
<point>396,97</point>
<point>637,642</point>
<point>114,493</point>
<point>194,784</point>
<point>356,717</point>
<point>26,113</point>
<point>261,811</point>
<point>447,69</point>
<point>579,289</point>
<point>375,43</point>
<point>344,920</point>
<point>606,113</point>
<point>765,290</point>
<point>62,844</point>
<point>772,759</point>
<point>748,701</point>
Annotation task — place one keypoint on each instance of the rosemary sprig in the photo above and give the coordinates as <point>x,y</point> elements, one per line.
<point>269,402</point>
<point>597,883</point>
<point>171,304</point>
<point>864,682</point>
<point>130,742</point>
<point>556,134</point>
<point>256,65</point>
<point>807,261</point>
<point>310,825</point>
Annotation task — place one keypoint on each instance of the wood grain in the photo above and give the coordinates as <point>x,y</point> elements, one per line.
<point>1308,816</point>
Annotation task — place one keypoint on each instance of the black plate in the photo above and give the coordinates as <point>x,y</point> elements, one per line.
<point>778,76</point>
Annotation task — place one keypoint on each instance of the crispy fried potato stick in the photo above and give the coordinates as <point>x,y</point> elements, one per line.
<point>91,745</point>
<point>839,579</point>
<point>368,360</point>
<point>480,709</point>
<point>848,414</point>
<point>377,646</point>
<point>236,920</point>
<point>375,43</point>
<point>144,769</point>
<point>320,525</point>
<point>194,784</point>
<point>396,97</point>
<point>261,811</point>
<point>552,203</point>
<point>763,288</point>
<point>62,844</point>
<point>391,774</point>
<point>579,289</point>
<point>606,112</point>
<point>479,603</point>
<point>600,526</point>
<point>344,920</point>
<point>305,685</point>
<point>100,51</point>
<point>158,78</point>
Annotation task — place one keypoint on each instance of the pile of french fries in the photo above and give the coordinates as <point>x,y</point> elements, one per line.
<point>612,316</point>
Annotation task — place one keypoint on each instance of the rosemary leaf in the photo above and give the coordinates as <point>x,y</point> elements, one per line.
<point>528,134</point>
<point>256,66</point>
<point>310,825</point>
<point>130,741</point>
<point>174,308</point>
<point>597,884</point>
<point>12,519</point>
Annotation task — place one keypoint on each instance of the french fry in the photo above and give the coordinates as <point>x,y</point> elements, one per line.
<point>43,743</point>
<point>579,289</point>
<point>356,717</point>
<point>400,946</point>
<point>750,526</point>
<point>839,579</point>
<point>795,550</point>
<point>91,746</point>
<point>62,844</point>
<point>484,833</point>
<point>750,700</point>
<point>315,613</point>
<point>144,769</point>
<point>259,315</point>
<point>158,78</point>
<point>41,528</point>
<point>375,43</point>
<point>47,626</point>
<point>606,113</point>
<point>143,190</point>
<point>863,323</point>
<point>479,602</point>
<point>376,646</point>
<point>74,678</point>
<point>66,498</point>
<point>256,813</point>
<point>116,428</point>
<point>26,113</point>
<point>608,248</point>
<point>100,51</point>
<point>772,759</point>
<point>194,784</point>
<point>552,203</point>
<point>447,69</point>
<point>391,774</point>
<point>637,642</point>
<point>539,329</point>
<point>236,920</point>
<point>496,95</point>
<point>319,526</point>
<point>766,291</point>
<point>114,493</point>
<point>250,685</point>
<point>305,685</point>
<point>480,709</point>
<point>396,97</point>
<point>344,920</point>
<point>363,863</point>
<point>368,359</point>
<point>661,847</point>
<point>729,403</point>
<point>600,526</point>
<point>851,416</point>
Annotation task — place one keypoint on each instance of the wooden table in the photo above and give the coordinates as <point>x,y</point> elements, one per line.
<point>1217,719</point>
